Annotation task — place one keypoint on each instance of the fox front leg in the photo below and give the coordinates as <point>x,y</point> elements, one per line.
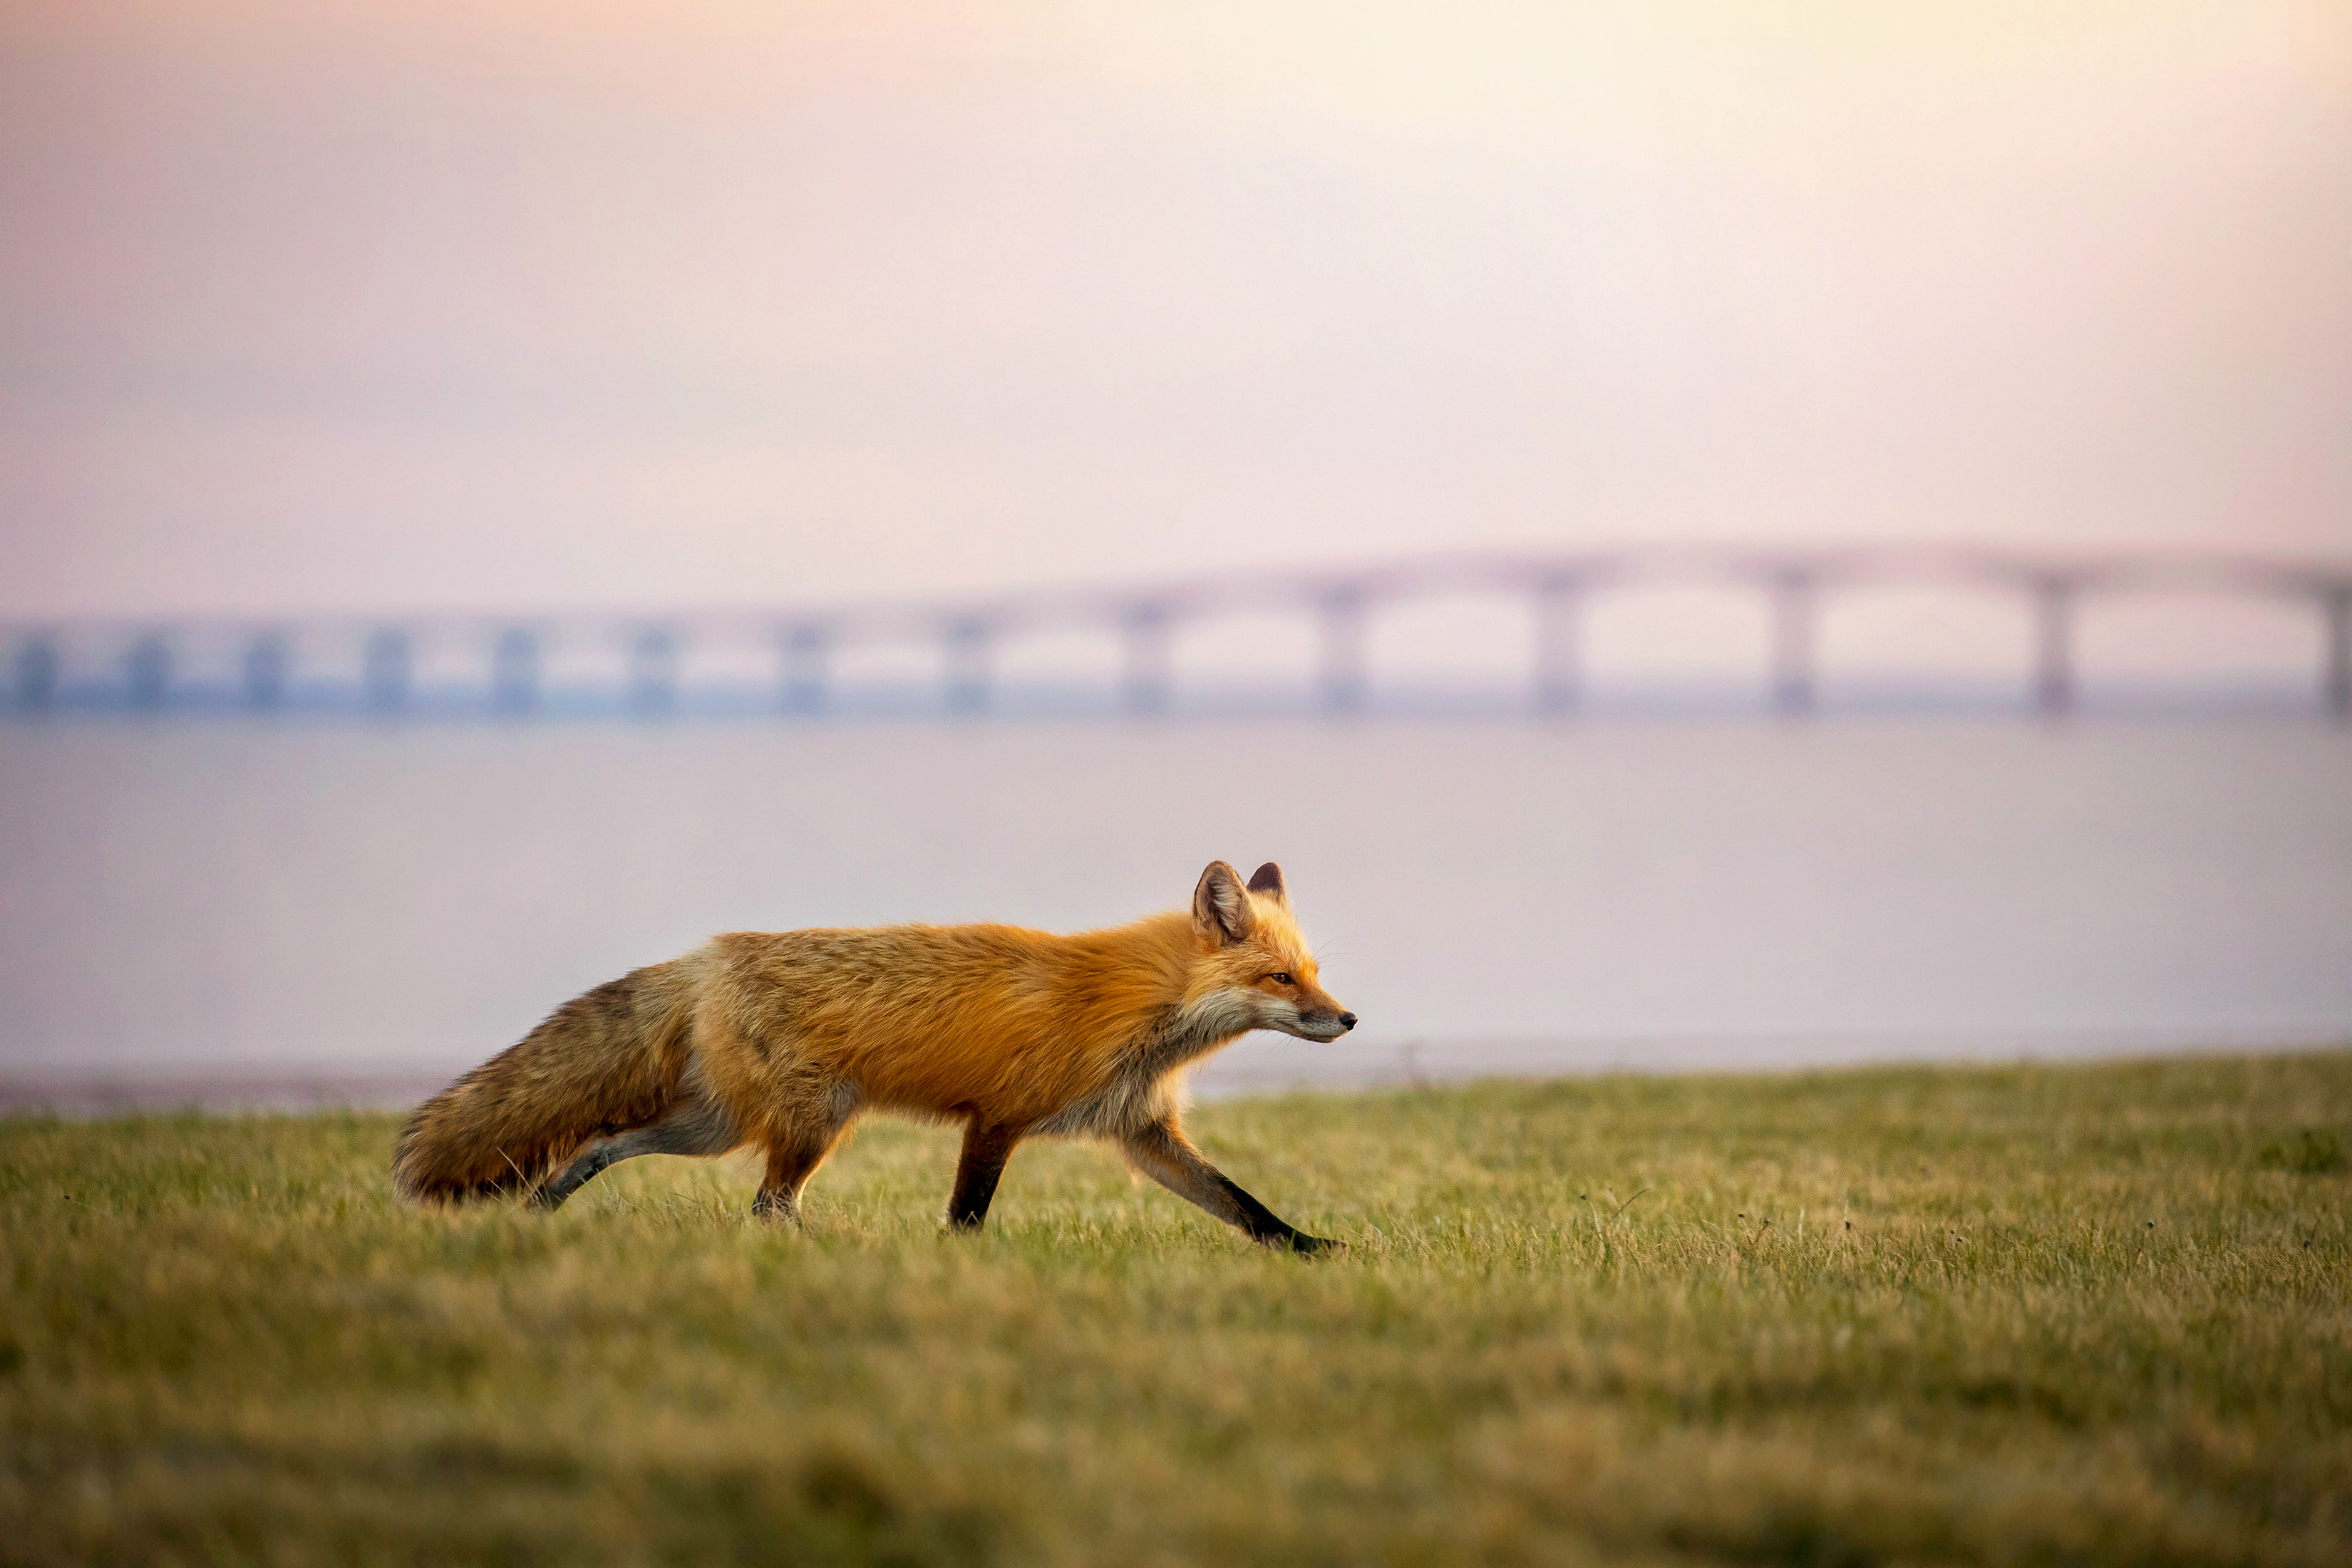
<point>1162,1152</point>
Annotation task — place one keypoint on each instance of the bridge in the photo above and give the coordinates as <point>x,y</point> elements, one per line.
<point>373,664</point>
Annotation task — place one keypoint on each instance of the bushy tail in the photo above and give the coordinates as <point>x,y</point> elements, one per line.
<point>602,1062</point>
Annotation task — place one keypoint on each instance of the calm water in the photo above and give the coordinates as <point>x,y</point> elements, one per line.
<point>188,900</point>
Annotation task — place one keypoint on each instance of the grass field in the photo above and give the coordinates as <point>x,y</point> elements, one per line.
<point>2017,1316</point>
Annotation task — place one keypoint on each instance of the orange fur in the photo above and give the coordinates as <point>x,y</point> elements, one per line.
<point>780,1039</point>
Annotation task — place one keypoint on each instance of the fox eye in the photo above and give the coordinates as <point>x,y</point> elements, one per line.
<point>1281,979</point>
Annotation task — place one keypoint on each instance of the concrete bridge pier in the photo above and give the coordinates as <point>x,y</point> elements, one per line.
<point>269,666</point>
<point>1795,598</point>
<point>1146,629</point>
<point>2338,603</point>
<point>384,669</point>
<point>1559,606</point>
<point>36,667</point>
<point>805,650</point>
<point>1341,614</point>
<point>514,671</point>
<point>653,671</point>
<point>148,671</point>
<point>2054,636</point>
<point>966,650</point>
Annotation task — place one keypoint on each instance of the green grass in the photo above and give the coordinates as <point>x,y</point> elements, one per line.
<point>2016,1315</point>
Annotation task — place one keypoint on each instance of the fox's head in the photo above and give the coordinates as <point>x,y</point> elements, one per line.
<point>1254,958</point>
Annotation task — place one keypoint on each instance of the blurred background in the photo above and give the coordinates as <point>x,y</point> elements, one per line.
<point>349,316</point>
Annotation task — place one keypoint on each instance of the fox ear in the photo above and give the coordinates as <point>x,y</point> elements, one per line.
<point>1266,881</point>
<point>1221,910</point>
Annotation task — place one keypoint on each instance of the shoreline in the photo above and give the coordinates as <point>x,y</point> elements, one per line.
<point>1253,1067</point>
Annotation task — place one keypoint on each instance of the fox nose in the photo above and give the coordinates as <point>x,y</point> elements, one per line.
<point>1346,1020</point>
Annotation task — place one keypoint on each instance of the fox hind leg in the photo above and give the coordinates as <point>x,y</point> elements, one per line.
<point>690,1127</point>
<point>798,1146</point>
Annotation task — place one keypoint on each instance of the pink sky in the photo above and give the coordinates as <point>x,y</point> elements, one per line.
<point>321,306</point>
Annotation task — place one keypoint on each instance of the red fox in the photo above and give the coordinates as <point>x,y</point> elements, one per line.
<point>781,1039</point>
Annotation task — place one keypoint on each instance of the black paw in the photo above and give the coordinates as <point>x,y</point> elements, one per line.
<point>1307,1245</point>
